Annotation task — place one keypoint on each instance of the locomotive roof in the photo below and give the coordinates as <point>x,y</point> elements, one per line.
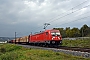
<point>52,30</point>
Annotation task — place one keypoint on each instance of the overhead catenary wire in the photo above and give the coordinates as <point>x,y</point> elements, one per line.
<point>76,16</point>
<point>74,20</point>
<point>52,19</point>
<point>66,15</point>
<point>69,13</point>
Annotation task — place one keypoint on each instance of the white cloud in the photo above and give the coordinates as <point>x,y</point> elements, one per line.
<point>34,13</point>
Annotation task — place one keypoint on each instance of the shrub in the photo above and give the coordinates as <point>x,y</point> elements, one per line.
<point>57,53</point>
<point>9,56</point>
<point>2,50</point>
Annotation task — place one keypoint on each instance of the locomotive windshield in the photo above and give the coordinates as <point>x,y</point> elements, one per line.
<point>55,33</point>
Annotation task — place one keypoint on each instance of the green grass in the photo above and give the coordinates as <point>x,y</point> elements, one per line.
<point>77,43</point>
<point>13,52</point>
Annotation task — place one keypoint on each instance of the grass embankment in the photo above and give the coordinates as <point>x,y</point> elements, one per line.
<point>13,52</point>
<point>77,43</point>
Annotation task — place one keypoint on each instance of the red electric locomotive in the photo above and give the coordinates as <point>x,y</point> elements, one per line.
<point>47,37</point>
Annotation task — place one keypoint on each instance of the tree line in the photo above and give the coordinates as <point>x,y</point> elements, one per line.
<point>84,31</point>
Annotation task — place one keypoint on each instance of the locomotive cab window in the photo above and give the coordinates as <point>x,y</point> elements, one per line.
<point>55,33</point>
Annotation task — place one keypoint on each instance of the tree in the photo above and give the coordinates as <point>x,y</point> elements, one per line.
<point>88,31</point>
<point>75,32</point>
<point>84,30</point>
<point>68,32</point>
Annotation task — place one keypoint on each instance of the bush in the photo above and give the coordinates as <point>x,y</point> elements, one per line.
<point>57,53</point>
<point>2,50</point>
<point>9,56</point>
<point>77,43</point>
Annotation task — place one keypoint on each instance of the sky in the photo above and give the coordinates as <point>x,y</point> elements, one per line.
<point>26,16</point>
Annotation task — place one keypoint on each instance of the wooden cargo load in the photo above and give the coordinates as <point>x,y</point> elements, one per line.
<point>17,39</point>
<point>23,39</point>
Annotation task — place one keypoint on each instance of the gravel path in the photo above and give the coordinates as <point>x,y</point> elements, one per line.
<point>75,53</point>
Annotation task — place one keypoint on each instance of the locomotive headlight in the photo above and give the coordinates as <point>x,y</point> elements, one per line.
<point>60,41</point>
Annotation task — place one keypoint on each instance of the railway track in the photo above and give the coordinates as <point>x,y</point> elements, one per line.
<point>76,51</point>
